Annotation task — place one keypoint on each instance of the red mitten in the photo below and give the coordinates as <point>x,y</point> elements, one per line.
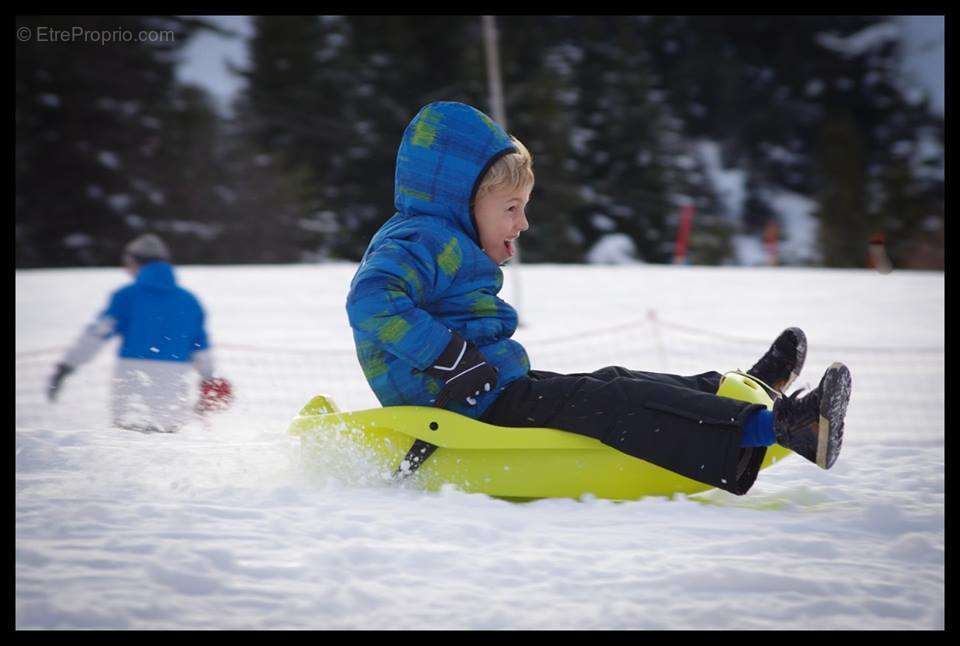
<point>215,394</point>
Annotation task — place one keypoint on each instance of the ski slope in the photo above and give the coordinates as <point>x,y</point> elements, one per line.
<point>224,527</point>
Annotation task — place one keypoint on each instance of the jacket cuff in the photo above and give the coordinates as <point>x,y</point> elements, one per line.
<point>203,363</point>
<point>451,354</point>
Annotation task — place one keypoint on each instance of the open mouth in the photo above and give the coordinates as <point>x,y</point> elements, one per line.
<point>509,246</point>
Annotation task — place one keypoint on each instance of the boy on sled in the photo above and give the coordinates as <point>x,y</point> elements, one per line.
<point>430,330</point>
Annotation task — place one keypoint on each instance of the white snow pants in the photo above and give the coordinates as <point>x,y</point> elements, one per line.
<point>153,395</point>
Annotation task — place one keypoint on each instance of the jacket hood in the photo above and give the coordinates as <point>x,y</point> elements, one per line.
<point>158,275</point>
<point>445,151</point>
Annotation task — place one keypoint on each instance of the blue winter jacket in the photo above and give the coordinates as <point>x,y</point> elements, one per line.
<point>156,318</point>
<point>424,272</point>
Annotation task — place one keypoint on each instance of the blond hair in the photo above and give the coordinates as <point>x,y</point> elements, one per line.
<point>513,171</point>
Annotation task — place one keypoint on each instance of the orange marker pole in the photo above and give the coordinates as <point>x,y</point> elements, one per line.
<point>683,235</point>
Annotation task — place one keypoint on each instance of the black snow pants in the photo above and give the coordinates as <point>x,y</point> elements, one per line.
<point>677,423</point>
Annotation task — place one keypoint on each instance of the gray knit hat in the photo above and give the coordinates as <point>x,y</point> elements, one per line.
<point>147,247</point>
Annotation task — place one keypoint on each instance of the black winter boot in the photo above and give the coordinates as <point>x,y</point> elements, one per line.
<point>783,362</point>
<point>812,425</point>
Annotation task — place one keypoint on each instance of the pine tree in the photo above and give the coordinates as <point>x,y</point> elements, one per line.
<point>290,124</point>
<point>191,186</point>
<point>845,225</point>
<point>625,142</point>
<point>398,64</point>
<point>538,68</point>
<point>269,216</point>
<point>89,122</point>
<point>766,88</point>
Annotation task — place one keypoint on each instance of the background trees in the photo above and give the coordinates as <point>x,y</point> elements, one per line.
<point>628,118</point>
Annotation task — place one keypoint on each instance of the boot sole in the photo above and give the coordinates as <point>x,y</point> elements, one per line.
<point>834,399</point>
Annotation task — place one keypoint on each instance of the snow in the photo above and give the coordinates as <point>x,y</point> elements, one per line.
<point>730,184</point>
<point>612,249</point>
<point>75,240</point>
<point>814,87</point>
<point>800,226</point>
<point>201,230</point>
<point>223,527</point>
<point>225,193</point>
<point>862,41</point>
<point>795,212</point>
<point>580,139</point>
<point>749,250</point>
<point>49,100</point>
<point>923,61</point>
<point>602,222</point>
<point>119,202</point>
<point>781,154</point>
<point>928,158</point>
<point>560,59</point>
<point>108,159</point>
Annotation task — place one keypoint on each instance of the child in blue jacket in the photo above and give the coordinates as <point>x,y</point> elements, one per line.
<point>430,329</point>
<point>163,339</point>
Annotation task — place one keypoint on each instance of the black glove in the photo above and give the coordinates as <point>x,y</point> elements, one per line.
<point>464,371</point>
<point>62,371</point>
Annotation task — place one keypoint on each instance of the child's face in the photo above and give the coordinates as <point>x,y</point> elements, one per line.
<point>501,217</point>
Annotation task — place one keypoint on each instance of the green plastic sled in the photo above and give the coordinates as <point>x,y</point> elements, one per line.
<point>515,463</point>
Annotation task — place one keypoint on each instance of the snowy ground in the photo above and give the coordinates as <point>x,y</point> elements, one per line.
<point>223,527</point>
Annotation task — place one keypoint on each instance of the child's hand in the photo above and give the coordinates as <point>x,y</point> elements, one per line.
<point>57,380</point>
<point>464,371</point>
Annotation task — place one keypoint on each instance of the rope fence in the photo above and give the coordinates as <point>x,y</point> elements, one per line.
<point>893,386</point>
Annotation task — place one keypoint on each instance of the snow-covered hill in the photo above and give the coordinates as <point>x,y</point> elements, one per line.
<point>222,527</point>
